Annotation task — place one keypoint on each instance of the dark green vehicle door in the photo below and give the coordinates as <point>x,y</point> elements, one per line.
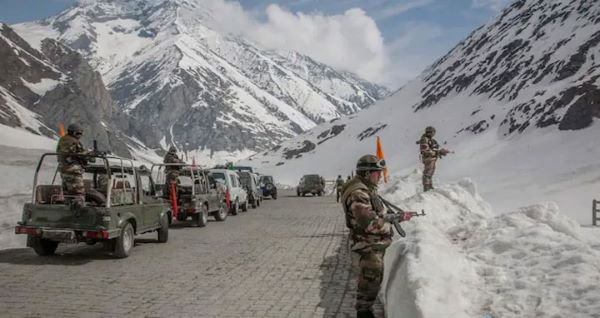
<point>150,205</point>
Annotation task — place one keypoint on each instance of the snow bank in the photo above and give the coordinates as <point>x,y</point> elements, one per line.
<point>461,260</point>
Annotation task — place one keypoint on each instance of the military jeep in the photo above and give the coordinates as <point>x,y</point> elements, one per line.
<point>120,202</point>
<point>311,183</point>
<point>195,194</point>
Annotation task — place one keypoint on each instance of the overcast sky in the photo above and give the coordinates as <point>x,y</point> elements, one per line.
<point>386,41</point>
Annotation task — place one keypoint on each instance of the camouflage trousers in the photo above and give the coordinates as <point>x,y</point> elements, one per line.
<point>428,171</point>
<point>72,185</point>
<point>370,274</point>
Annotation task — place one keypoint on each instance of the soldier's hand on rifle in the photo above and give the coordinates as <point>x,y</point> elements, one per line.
<point>400,217</point>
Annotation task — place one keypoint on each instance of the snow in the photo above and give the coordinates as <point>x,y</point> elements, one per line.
<point>42,87</point>
<point>461,260</point>
<point>33,34</point>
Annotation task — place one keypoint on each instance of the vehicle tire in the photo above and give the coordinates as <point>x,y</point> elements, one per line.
<point>221,215</point>
<point>303,194</point>
<point>258,202</point>
<point>274,196</point>
<point>163,231</point>
<point>235,208</point>
<point>125,241</point>
<point>298,193</point>
<point>320,193</point>
<point>43,247</point>
<point>245,206</point>
<point>200,219</point>
<point>254,203</point>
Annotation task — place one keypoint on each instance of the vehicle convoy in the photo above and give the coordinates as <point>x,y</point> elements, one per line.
<point>235,196</point>
<point>195,194</point>
<point>311,183</point>
<point>130,207</point>
<point>249,181</point>
<point>267,187</point>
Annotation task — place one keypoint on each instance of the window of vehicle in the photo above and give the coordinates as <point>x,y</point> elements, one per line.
<point>266,179</point>
<point>233,180</point>
<point>219,176</point>
<point>146,185</point>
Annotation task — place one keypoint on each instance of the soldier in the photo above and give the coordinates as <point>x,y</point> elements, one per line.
<point>172,171</point>
<point>71,163</point>
<point>339,183</point>
<point>370,230</point>
<point>430,153</point>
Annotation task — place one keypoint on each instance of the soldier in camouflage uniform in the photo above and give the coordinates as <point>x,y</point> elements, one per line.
<point>71,166</point>
<point>339,183</point>
<point>172,172</point>
<point>430,153</point>
<point>370,229</point>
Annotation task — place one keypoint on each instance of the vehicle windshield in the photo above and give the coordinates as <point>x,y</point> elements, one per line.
<point>266,179</point>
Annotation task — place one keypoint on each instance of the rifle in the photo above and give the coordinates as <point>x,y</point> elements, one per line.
<point>393,209</point>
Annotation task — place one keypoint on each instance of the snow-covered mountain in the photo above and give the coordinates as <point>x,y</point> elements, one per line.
<point>518,100</point>
<point>208,92</point>
<point>41,88</point>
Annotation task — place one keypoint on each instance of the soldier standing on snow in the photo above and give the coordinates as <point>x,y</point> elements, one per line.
<point>430,153</point>
<point>339,183</point>
<point>370,229</point>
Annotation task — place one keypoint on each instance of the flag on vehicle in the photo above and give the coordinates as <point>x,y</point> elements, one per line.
<point>381,156</point>
<point>61,129</point>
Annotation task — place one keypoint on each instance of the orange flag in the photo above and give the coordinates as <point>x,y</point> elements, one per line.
<point>61,129</point>
<point>381,156</point>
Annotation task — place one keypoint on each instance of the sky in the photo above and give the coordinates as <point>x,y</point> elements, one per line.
<point>385,41</point>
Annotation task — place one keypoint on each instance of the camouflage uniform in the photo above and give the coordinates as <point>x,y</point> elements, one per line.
<point>370,234</point>
<point>172,172</point>
<point>339,183</point>
<point>71,166</point>
<point>430,152</point>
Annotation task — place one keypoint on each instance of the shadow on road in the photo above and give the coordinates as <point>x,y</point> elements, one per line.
<point>337,280</point>
<point>72,255</point>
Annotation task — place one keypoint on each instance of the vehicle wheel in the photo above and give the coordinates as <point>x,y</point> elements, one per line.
<point>254,204</point>
<point>125,241</point>
<point>43,247</point>
<point>274,196</point>
<point>258,202</point>
<point>303,194</point>
<point>298,193</point>
<point>235,208</point>
<point>320,193</point>
<point>245,206</point>
<point>221,215</point>
<point>163,231</point>
<point>200,219</point>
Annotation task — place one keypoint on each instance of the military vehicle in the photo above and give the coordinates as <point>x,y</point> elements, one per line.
<point>267,187</point>
<point>311,183</point>
<point>195,194</point>
<point>235,195</point>
<point>128,206</point>
<point>249,181</point>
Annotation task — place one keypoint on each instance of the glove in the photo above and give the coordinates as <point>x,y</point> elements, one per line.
<point>406,216</point>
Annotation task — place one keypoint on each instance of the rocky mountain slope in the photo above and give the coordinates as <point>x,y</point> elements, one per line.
<point>211,94</point>
<point>518,100</point>
<point>41,88</point>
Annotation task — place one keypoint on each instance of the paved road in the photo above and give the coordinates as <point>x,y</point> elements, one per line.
<point>288,258</point>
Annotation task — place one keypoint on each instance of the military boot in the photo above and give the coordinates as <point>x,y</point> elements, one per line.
<point>364,313</point>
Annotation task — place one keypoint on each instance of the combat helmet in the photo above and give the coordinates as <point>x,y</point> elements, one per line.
<point>430,130</point>
<point>370,163</point>
<point>172,149</point>
<point>73,128</point>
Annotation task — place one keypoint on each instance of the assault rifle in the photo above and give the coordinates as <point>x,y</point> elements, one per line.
<point>398,215</point>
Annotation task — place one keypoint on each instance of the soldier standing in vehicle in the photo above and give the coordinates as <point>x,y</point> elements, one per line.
<point>172,171</point>
<point>370,229</point>
<point>430,153</point>
<point>71,164</point>
<point>339,183</point>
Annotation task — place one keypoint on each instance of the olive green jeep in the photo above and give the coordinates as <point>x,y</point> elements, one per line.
<point>193,195</point>
<point>120,202</point>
